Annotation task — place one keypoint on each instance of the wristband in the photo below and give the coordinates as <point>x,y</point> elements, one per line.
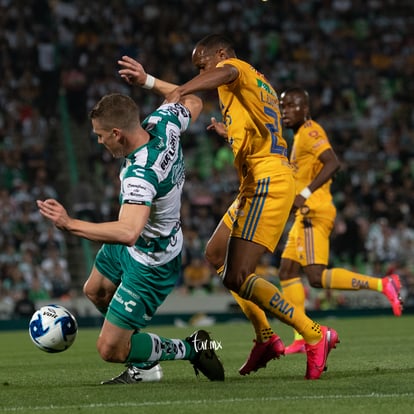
<point>149,82</point>
<point>306,193</point>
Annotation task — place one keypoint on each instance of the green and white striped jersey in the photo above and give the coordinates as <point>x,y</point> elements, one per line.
<point>154,175</point>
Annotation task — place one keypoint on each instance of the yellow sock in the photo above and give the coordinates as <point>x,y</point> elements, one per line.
<point>344,279</point>
<point>294,292</point>
<point>256,316</point>
<point>268,297</point>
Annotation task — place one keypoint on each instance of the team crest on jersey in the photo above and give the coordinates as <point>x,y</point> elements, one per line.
<point>137,172</point>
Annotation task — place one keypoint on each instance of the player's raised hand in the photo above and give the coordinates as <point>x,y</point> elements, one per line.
<point>132,71</point>
<point>54,211</point>
<point>219,127</point>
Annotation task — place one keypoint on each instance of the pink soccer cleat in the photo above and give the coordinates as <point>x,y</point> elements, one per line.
<point>318,354</point>
<point>296,347</point>
<point>391,286</point>
<point>262,353</point>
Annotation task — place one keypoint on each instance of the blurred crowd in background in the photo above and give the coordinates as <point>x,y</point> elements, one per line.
<point>356,59</point>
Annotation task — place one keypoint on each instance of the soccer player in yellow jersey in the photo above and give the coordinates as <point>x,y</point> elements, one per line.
<point>315,162</point>
<point>255,221</point>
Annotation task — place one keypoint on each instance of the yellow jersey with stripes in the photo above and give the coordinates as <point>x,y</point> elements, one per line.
<point>250,110</point>
<point>308,239</point>
<point>310,141</point>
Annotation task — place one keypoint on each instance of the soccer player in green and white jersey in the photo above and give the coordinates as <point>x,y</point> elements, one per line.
<point>139,261</point>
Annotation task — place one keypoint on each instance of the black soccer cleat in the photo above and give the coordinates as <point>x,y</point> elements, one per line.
<point>205,360</point>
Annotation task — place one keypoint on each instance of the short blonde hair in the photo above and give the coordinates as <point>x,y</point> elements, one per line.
<point>116,111</point>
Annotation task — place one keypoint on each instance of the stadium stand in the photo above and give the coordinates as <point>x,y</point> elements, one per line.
<point>59,57</point>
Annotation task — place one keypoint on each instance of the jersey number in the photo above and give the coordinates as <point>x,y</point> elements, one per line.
<point>273,128</point>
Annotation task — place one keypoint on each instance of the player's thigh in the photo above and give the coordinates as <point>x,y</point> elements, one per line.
<point>217,245</point>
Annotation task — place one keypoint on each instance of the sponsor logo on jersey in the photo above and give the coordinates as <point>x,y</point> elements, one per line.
<point>171,152</point>
<point>267,88</point>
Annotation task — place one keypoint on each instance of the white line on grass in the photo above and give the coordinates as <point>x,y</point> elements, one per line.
<point>192,402</point>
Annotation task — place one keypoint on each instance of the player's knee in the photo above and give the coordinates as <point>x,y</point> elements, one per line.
<point>88,292</point>
<point>111,352</point>
<point>314,274</point>
<point>289,269</point>
<point>315,281</point>
<point>233,281</point>
<point>86,288</point>
<point>284,274</point>
<point>91,293</point>
<point>231,285</point>
<point>99,297</point>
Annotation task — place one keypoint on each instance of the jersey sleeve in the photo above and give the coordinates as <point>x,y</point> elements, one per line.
<point>234,63</point>
<point>317,140</point>
<point>175,113</point>
<point>141,181</point>
<point>139,186</point>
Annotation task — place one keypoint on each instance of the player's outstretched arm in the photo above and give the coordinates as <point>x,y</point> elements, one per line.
<point>125,230</point>
<point>134,74</point>
<point>206,81</point>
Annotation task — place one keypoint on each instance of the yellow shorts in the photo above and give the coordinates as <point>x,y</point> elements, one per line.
<point>261,209</point>
<point>308,239</point>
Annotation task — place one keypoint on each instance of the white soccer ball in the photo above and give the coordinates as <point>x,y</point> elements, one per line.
<point>53,328</point>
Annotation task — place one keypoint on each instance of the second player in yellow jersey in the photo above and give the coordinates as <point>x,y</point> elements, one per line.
<point>307,247</point>
<point>254,224</point>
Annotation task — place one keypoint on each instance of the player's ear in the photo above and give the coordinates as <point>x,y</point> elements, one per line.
<point>116,132</point>
<point>222,53</point>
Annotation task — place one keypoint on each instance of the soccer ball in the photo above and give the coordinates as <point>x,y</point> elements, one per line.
<point>53,328</point>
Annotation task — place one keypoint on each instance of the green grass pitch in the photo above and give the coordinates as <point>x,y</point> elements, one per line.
<point>371,371</point>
